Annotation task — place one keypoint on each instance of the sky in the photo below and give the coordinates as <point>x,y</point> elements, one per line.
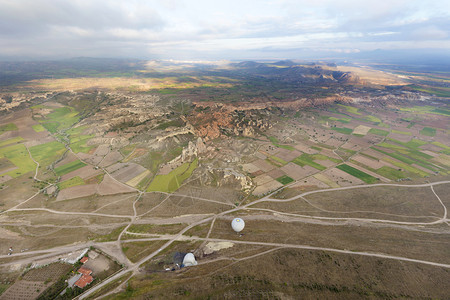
<point>214,30</point>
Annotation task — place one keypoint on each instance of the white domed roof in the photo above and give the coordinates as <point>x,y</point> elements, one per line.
<point>189,260</point>
<point>238,224</point>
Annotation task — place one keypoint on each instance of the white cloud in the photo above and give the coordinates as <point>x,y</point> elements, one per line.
<point>429,33</point>
<point>141,28</point>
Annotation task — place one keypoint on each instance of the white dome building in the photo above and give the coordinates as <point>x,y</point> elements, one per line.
<point>237,224</point>
<point>189,260</point>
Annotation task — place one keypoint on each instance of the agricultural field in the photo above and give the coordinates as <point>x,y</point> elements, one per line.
<point>357,173</point>
<point>71,182</point>
<point>69,167</point>
<point>285,179</point>
<point>7,127</point>
<point>152,166</point>
<point>379,131</point>
<point>19,156</point>
<point>428,131</point>
<point>172,181</point>
<point>11,141</point>
<point>46,153</point>
<point>78,140</point>
<point>59,118</point>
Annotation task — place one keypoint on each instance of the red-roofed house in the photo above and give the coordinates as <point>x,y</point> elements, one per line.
<point>84,259</point>
<point>84,271</point>
<point>83,281</point>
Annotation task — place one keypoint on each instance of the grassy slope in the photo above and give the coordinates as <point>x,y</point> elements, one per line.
<point>172,181</point>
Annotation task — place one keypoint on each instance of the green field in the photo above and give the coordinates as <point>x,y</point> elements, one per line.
<point>441,145</point>
<point>277,161</point>
<point>379,131</point>
<point>350,109</point>
<point>51,126</point>
<point>396,156</point>
<point>78,141</point>
<point>171,182</point>
<point>372,119</point>
<point>401,132</point>
<point>7,127</point>
<point>38,128</point>
<point>60,118</point>
<point>408,153</point>
<point>307,159</point>
<point>19,156</point>
<point>342,120</point>
<point>322,157</point>
<point>427,109</point>
<point>407,167</point>
<point>390,173</point>
<point>69,167</point>
<point>357,173</point>
<point>276,143</point>
<point>47,153</point>
<point>11,141</point>
<point>71,182</point>
<point>390,146</point>
<point>413,144</point>
<point>428,131</point>
<point>343,130</point>
<point>284,179</point>
<point>439,92</point>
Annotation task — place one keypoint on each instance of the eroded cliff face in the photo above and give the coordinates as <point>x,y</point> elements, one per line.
<point>224,121</point>
<point>211,120</point>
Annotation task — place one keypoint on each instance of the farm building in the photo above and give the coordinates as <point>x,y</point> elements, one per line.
<point>84,271</point>
<point>83,281</point>
<point>86,277</point>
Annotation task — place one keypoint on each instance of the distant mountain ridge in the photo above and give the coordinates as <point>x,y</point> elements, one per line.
<point>289,71</point>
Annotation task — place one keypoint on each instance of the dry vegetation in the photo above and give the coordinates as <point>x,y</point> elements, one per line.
<point>145,165</point>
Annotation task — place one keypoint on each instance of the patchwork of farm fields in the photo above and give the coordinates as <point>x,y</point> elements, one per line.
<point>351,180</point>
<point>394,148</point>
<point>387,148</point>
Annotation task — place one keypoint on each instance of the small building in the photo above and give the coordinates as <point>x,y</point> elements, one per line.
<point>85,278</point>
<point>84,271</point>
<point>83,281</point>
<point>84,259</point>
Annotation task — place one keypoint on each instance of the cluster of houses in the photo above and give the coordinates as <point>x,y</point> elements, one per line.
<point>83,276</point>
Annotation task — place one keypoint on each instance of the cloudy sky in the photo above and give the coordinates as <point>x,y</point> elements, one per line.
<point>225,29</point>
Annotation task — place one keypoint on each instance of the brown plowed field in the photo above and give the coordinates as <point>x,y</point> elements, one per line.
<point>77,191</point>
<point>109,187</point>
